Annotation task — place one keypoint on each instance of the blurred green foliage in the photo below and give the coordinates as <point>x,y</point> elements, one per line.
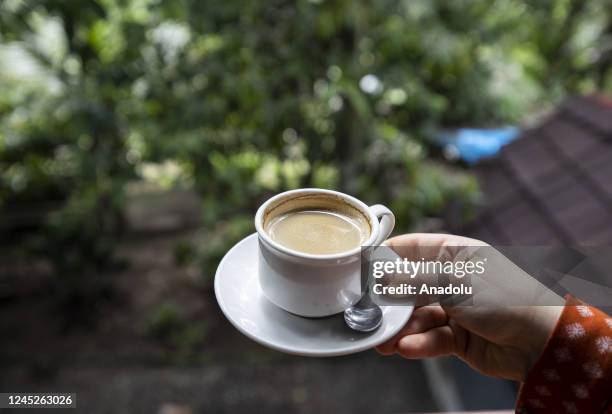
<point>240,100</point>
<point>180,336</point>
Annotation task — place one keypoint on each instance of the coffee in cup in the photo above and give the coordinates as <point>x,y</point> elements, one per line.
<point>318,231</point>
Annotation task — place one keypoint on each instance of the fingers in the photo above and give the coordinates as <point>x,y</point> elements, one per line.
<point>432,239</point>
<point>422,320</point>
<point>435,342</point>
<point>415,246</point>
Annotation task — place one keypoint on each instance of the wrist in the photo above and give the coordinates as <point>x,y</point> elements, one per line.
<point>543,322</point>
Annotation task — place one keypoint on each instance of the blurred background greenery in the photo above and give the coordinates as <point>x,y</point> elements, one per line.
<point>237,100</point>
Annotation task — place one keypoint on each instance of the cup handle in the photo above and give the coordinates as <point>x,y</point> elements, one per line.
<point>387,222</point>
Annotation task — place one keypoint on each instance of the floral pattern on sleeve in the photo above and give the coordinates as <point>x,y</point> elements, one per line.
<point>574,373</point>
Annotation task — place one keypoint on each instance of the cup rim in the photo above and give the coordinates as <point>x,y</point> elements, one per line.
<point>360,205</point>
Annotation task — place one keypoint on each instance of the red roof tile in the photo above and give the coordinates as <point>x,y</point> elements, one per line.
<point>554,184</point>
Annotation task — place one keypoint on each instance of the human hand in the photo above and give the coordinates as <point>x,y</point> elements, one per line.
<point>493,338</point>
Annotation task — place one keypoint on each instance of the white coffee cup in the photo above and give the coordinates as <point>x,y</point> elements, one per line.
<point>316,285</point>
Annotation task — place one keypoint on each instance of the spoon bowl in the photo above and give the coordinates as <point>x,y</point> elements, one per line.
<point>364,316</point>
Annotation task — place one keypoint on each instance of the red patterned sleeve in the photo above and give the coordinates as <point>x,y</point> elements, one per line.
<point>574,373</point>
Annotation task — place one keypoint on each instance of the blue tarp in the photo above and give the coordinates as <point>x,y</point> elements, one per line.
<point>472,145</point>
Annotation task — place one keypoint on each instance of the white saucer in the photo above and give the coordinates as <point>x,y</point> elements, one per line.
<point>241,300</point>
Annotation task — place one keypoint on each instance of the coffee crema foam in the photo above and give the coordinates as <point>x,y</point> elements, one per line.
<point>318,231</point>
